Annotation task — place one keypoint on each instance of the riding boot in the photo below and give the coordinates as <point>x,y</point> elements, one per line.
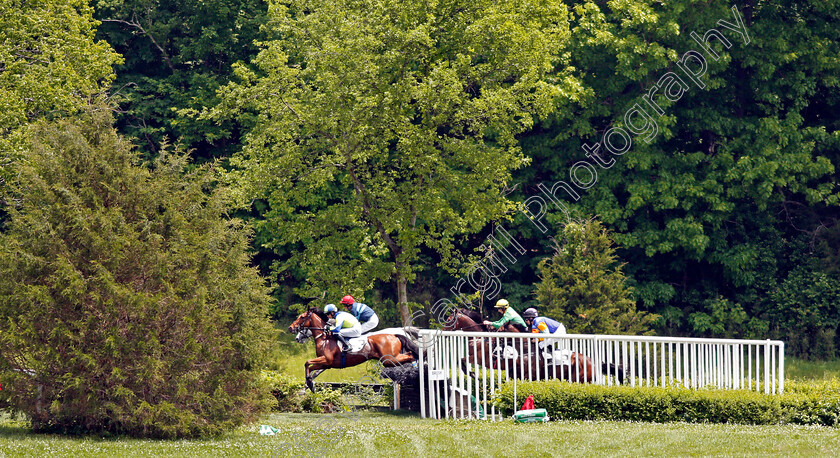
<point>545,348</point>
<point>342,343</point>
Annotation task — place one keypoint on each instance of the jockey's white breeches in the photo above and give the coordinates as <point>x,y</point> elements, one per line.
<point>370,324</point>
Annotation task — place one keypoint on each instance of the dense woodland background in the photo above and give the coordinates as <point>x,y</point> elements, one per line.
<point>726,223</point>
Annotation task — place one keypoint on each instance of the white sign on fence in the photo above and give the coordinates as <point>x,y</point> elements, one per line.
<point>437,374</point>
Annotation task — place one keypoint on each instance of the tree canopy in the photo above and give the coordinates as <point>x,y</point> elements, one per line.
<point>381,128</point>
<point>737,191</point>
<point>177,54</point>
<point>50,65</point>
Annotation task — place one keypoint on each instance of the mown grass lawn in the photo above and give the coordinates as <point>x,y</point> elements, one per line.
<point>376,434</point>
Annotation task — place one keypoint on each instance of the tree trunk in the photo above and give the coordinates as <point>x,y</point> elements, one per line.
<point>402,296</point>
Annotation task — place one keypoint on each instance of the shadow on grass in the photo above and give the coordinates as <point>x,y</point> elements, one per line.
<point>10,430</point>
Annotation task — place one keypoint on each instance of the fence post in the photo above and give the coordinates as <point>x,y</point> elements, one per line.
<point>781,368</point>
<point>421,367</point>
<point>767,367</point>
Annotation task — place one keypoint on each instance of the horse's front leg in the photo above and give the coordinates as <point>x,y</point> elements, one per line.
<point>466,368</point>
<point>478,351</point>
<point>313,368</point>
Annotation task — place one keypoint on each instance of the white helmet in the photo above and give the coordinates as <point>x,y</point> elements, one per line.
<point>330,308</point>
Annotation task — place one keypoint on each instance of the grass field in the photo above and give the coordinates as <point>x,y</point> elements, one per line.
<point>799,369</point>
<point>376,434</point>
<point>390,434</point>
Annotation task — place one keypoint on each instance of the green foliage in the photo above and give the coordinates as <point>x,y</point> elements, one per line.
<point>380,128</point>
<point>325,400</point>
<point>382,137</point>
<point>177,54</point>
<point>50,60</point>
<point>829,250</point>
<point>286,389</point>
<point>292,396</point>
<point>50,65</point>
<point>722,319</point>
<point>582,285</point>
<point>805,309</point>
<point>125,292</point>
<point>707,213</point>
<point>815,403</point>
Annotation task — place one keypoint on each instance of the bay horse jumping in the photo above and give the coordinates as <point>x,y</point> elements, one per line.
<point>390,349</point>
<point>531,364</point>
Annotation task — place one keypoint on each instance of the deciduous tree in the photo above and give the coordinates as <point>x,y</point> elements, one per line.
<point>50,65</point>
<point>381,127</point>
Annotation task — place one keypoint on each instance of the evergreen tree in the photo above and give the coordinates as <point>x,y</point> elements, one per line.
<point>126,298</point>
<point>584,288</point>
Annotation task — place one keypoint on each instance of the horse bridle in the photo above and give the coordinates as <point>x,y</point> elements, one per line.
<point>297,329</point>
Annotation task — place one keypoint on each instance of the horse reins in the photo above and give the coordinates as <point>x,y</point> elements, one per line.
<point>308,317</point>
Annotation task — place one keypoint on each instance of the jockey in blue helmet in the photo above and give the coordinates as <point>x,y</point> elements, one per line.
<point>542,325</point>
<point>346,325</point>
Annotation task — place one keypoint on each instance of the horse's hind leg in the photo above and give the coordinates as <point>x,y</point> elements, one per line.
<point>398,360</point>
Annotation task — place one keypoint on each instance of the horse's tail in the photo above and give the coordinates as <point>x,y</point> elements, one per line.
<point>613,369</point>
<point>413,332</point>
<point>408,344</point>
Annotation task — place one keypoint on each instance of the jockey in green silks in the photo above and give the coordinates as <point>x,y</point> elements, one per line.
<point>509,315</point>
<point>346,325</point>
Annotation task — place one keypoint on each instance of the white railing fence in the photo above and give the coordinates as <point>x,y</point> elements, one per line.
<point>466,368</point>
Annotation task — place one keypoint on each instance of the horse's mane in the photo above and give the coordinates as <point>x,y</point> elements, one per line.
<point>320,314</point>
<point>472,314</point>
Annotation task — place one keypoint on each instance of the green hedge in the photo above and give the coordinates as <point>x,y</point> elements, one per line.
<point>803,403</point>
<point>292,396</point>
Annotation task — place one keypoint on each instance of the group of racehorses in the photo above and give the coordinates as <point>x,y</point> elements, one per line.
<point>524,362</point>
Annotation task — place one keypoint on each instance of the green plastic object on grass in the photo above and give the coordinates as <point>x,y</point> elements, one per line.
<point>530,416</point>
